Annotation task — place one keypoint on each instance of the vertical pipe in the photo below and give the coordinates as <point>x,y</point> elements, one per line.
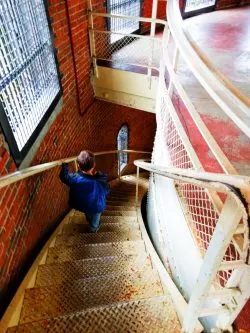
<point>92,37</point>
<point>137,185</point>
<point>73,56</point>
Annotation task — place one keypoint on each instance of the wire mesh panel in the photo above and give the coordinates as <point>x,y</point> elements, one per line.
<point>28,74</point>
<point>197,203</point>
<point>126,8</point>
<point>135,50</point>
<point>173,144</point>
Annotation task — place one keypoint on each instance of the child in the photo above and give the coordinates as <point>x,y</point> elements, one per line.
<point>88,188</point>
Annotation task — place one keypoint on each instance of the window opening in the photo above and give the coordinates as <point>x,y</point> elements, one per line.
<point>29,84</point>
<point>126,8</point>
<point>122,144</point>
<point>195,7</point>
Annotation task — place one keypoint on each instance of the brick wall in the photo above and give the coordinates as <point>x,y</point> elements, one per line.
<point>147,12</point>
<point>30,210</point>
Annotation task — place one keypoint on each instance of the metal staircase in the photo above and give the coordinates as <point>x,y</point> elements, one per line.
<point>113,281</point>
<point>98,282</point>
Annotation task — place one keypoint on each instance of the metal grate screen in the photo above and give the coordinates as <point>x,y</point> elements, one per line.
<point>192,5</point>
<point>125,8</point>
<point>28,74</point>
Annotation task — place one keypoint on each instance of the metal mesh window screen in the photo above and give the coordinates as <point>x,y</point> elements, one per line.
<point>122,144</point>
<point>126,8</point>
<point>192,5</point>
<point>28,74</point>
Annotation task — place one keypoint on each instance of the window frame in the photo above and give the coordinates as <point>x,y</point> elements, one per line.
<point>123,165</point>
<point>19,155</point>
<point>118,44</point>
<point>197,11</point>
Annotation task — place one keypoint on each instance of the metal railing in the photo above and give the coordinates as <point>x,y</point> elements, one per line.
<point>224,271</point>
<point>31,171</point>
<point>214,207</point>
<point>207,209</point>
<point>130,49</point>
<point>229,99</point>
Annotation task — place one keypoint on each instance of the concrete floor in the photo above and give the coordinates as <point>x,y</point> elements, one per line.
<point>225,37</point>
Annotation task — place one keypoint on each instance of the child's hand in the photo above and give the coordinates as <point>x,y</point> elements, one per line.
<point>93,171</point>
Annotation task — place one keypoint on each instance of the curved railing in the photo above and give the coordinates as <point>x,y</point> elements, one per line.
<point>174,150</point>
<point>31,171</point>
<point>232,219</point>
<point>235,104</point>
<point>215,206</point>
<point>223,275</point>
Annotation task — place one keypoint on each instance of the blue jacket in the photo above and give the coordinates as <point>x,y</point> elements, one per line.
<point>87,193</point>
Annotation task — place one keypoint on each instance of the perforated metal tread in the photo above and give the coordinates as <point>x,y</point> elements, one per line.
<point>119,213</point>
<point>119,194</point>
<point>120,201</point>
<point>79,269</point>
<point>151,316</point>
<point>125,208</point>
<point>94,238</point>
<point>77,295</point>
<point>124,187</point>
<point>115,198</point>
<point>104,219</point>
<point>82,251</point>
<point>106,227</point>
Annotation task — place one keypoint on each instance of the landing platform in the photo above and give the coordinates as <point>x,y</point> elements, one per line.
<point>224,38</point>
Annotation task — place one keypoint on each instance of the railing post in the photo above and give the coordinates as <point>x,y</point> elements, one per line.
<point>175,63</point>
<point>92,37</point>
<point>75,165</point>
<point>223,233</point>
<point>137,185</point>
<point>152,34</point>
<point>118,165</point>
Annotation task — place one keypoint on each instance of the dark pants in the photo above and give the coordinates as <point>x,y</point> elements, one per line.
<point>94,221</point>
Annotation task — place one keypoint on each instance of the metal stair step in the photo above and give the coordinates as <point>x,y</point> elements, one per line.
<point>81,251</point>
<point>106,227</point>
<point>126,188</point>
<point>122,208</point>
<point>120,202</point>
<point>120,191</point>
<point>114,198</point>
<point>140,316</point>
<point>41,303</point>
<point>92,238</point>
<point>119,194</point>
<point>80,218</point>
<point>119,213</point>
<point>79,269</point>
